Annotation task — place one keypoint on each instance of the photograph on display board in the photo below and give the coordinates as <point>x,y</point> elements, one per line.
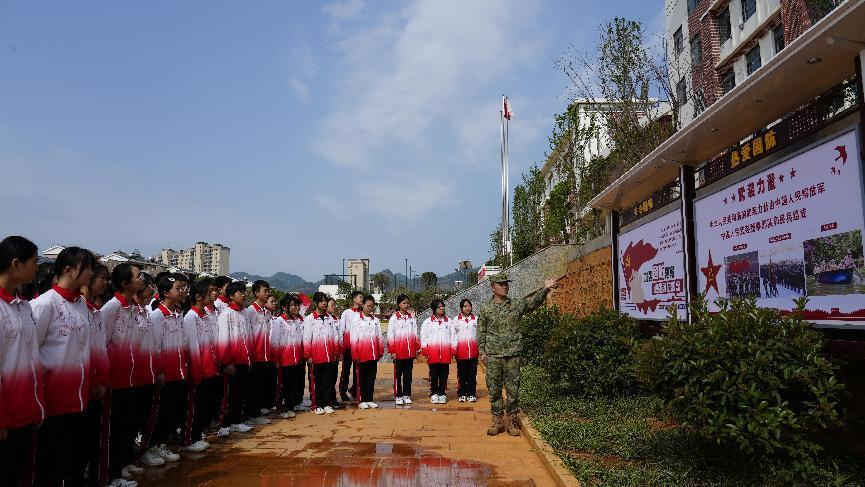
<point>782,272</point>
<point>791,230</point>
<point>743,275</point>
<point>834,264</point>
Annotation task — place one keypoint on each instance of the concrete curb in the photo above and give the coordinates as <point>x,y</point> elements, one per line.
<point>554,465</point>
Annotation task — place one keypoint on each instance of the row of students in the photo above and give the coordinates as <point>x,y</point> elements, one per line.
<point>93,376</point>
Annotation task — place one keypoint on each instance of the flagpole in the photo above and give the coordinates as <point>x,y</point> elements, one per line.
<point>509,249</point>
<point>504,226</point>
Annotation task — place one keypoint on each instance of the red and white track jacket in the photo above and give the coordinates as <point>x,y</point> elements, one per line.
<point>321,338</point>
<point>345,326</point>
<point>201,323</point>
<point>120,318</point>
<point>147,350</point>
<point>99,366</point>
<point>63,333</point>
<point>402,338</point>
<point>366,342</point>
<point>232,337</point>
<point>21,395</point>
<point>437,340</point>
<point>465,336</point>
<point>259,328</point>
<point>286,339</point>
<point>175,343</point>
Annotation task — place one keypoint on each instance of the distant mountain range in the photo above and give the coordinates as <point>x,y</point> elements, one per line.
<point>285,281</point>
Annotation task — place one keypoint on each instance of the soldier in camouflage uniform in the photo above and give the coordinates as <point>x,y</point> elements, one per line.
<point>500,344</point>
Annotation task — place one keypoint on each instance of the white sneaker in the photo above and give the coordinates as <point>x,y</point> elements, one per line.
<point>240,428</point>
<point>363,405</point>
<point>473,399</point>
<point>406,399</point>
<point>319,411</point>
<point>328,410</point>
<point>197,447</point>
<point>443,399</point>
<point>259,421</point>
<point>400,401</point>
<point>462,399</point>
<point>287,415</point>
<point>206,444</point>
<point>133,469</point>
<point>152,459</point>
<point>126,473</point>
<point>167,455</point>
<point>373,405</point>
<point>301,408</point>
<point>123,483</point>
<point>265,411</point>
<point>223,432</point>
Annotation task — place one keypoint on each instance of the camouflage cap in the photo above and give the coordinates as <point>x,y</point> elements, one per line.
<point>500,278</point>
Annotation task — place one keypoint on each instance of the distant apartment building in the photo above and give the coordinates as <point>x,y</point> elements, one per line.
<point>715,45</point>
<point>358,271</point>
<point>201,258</point>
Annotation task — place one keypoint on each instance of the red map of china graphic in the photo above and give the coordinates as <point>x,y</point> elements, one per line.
<point>634,257</point>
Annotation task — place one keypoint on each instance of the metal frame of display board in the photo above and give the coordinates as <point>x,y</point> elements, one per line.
<point>617,230</point>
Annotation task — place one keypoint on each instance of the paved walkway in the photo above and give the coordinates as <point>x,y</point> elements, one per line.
<point>422,445</point>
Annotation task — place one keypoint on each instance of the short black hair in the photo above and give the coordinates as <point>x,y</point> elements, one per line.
<point>319,297</point>
<point>98,268</point>
<point>16,247</point>
<point>257,285</point>
<point>435,304</point>
<point>221,281</point>
<point>235,287</point>
<point>463,303</point>
<point>401,298</point>
<point>368,297</point>
<point>121,276</point>
<point>74,257</point>
<point>200,288</point>
<point>353,295</point>
<point>286,301</point>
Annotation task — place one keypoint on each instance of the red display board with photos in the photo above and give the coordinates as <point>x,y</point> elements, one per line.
<point>793,230</point>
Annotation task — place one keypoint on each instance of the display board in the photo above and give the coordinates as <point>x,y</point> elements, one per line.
<point>792,230</point>
<point>651,268</point>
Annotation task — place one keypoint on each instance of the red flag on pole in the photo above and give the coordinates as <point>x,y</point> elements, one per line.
<point>506,109</point>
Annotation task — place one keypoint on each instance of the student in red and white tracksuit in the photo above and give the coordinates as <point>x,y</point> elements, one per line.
<point>128,358</point>
<point>222,300</point>
<point>367,348</point>
<point>98,414</point>
<point>466,345</point>
<point>259,319</point>
<point>437,344</point>
<point>287,343</point>
<point>175,362</point>
<point>63,326</point>
<point>22,404</point>
<point>321,345</point>
<point>403,343</point>
<point>347,363</point>
<point>232,351</point>
<point>214,409</point>
<point>198,323</point>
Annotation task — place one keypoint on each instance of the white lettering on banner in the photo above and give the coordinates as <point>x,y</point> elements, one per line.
<point>652,269</point>
<point>792,230</point>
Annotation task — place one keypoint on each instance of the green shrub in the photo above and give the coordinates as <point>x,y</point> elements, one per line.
<point>536,327</point>
<point>747,378</point>
<point>593,355</point>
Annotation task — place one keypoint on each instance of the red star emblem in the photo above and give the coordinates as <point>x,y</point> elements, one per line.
<point>792,173</point>
<point>711,273</point>
<point>781,177</point>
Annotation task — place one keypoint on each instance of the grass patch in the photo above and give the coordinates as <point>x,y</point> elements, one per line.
<point>629,440</point>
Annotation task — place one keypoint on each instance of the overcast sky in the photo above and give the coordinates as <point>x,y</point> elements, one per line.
<point>296,133</point>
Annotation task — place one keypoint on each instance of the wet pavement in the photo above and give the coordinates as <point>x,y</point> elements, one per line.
<point>421,445</point>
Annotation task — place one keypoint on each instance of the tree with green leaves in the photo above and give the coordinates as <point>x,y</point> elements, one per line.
<point>380,281</point>
<point>428,279</point>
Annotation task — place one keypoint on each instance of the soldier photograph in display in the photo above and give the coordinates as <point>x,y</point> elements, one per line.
<point>834,264</point>
<point>782,272</point>
<point>743,275</point>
